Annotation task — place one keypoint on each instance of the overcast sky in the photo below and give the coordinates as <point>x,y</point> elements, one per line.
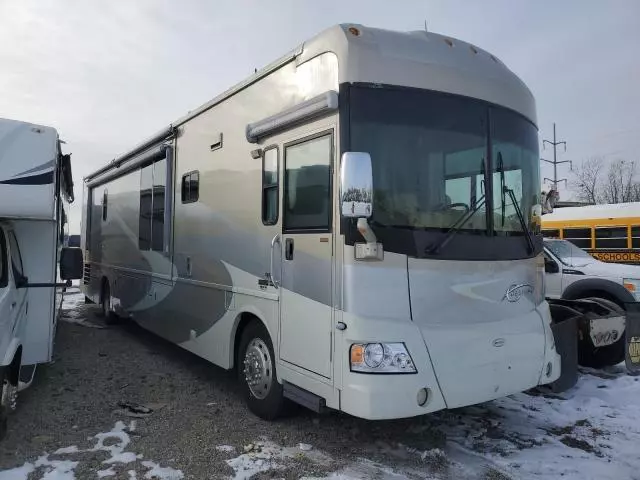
<point>108,74</point>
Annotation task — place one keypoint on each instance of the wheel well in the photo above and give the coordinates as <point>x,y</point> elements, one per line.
<point>245,319</point>
<point>14,367</point>
<point>600,294</point>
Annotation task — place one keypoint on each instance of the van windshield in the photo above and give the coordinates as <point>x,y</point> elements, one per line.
<point>435,159</point>
<point>568,253</point>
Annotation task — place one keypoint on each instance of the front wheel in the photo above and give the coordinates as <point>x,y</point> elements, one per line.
<point>257,373</point>
<point>600,357</point>
<point>8,400</point>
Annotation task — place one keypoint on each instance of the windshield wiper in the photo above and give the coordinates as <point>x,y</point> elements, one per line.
<point>508,191</point>
<point>435,248</point>
<point>503,187</point>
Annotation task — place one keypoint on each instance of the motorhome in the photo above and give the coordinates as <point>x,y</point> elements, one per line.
<point>36,188</point>
<point>353,227</point>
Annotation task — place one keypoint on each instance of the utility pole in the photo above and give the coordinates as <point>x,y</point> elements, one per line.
<point>555,161</point>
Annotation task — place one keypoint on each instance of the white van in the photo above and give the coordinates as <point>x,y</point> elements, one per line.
<point>36,188</point>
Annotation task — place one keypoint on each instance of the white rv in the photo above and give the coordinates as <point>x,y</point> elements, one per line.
<point>36,188</point>
<point>356,226</point>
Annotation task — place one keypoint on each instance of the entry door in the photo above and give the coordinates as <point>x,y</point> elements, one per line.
<point>8,302</point>
<point>19,296</point>
<point>307,257</point>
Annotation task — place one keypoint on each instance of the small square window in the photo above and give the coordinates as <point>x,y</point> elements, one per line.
<point>191,187</point>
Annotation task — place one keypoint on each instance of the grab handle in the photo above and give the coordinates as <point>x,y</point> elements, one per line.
<point>275,240</point>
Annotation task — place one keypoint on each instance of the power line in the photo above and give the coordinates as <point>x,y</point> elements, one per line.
<point>555,162</point>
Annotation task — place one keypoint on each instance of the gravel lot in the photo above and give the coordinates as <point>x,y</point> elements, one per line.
<point>200,429</point>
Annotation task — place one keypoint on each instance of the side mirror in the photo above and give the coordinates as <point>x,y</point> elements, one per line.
<point>356,185</point>
<point>550,266</point>
<point>22,282</point>
<point>71,263</point>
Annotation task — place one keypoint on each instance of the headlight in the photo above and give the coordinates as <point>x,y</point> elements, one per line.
<point>380,358</point>
<point>633,286</point>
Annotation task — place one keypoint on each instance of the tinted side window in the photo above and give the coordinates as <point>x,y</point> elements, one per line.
<point>635,236</point>
<point>191,187</point>
<point>307,185</point>
<point>580,237</point>
<point>16,258</point>
<point>146,207</point>
<point>4,270</point>
<point>611,237</point>
<point>157,216</point>
<point>551,233</point>
<point>104,205</point>
<point>270,186</point>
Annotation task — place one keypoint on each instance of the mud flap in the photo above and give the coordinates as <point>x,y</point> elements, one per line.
<point>632,334</point>
<point>565,334</point>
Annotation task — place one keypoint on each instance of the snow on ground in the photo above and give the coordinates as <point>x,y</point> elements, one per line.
<point>113,442</point>
<point>591,432</point>
<point>264,455</point>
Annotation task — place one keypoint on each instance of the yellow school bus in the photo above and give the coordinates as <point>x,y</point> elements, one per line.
<point>609,232</point>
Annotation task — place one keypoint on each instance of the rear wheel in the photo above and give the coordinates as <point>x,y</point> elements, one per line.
<point>599,357</point>
<point>257,372</point>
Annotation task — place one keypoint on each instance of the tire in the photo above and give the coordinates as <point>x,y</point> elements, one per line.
<point>8,399</point>
<point>109,316</point>
<point>600,357</point>
<point>256,357</point>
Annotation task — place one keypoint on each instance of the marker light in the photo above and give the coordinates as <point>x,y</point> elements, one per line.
<point>633,287</point>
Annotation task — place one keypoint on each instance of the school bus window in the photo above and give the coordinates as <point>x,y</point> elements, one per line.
<point>635,236</point>
<point>551,233</point>
<point>580,237</point>
<point>611,237</point>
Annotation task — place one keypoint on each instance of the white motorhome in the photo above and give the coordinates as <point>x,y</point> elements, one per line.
<point>36,188</point>
<point>356,226</point>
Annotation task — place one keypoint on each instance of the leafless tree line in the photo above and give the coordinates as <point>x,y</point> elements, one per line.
<point>598,182</point>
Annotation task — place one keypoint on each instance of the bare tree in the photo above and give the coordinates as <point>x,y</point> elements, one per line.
<point>620,184</point>
<point>616,183</point>
<point>587,180</point>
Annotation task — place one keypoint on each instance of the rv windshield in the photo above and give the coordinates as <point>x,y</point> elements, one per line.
<point>429,153</point>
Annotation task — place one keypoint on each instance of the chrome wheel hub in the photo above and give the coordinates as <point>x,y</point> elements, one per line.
<point>258,372</point>
<point>9,398</point>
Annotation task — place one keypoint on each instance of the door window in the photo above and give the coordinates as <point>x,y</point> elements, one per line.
<point>16,258</point>
<point>307,185</point>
